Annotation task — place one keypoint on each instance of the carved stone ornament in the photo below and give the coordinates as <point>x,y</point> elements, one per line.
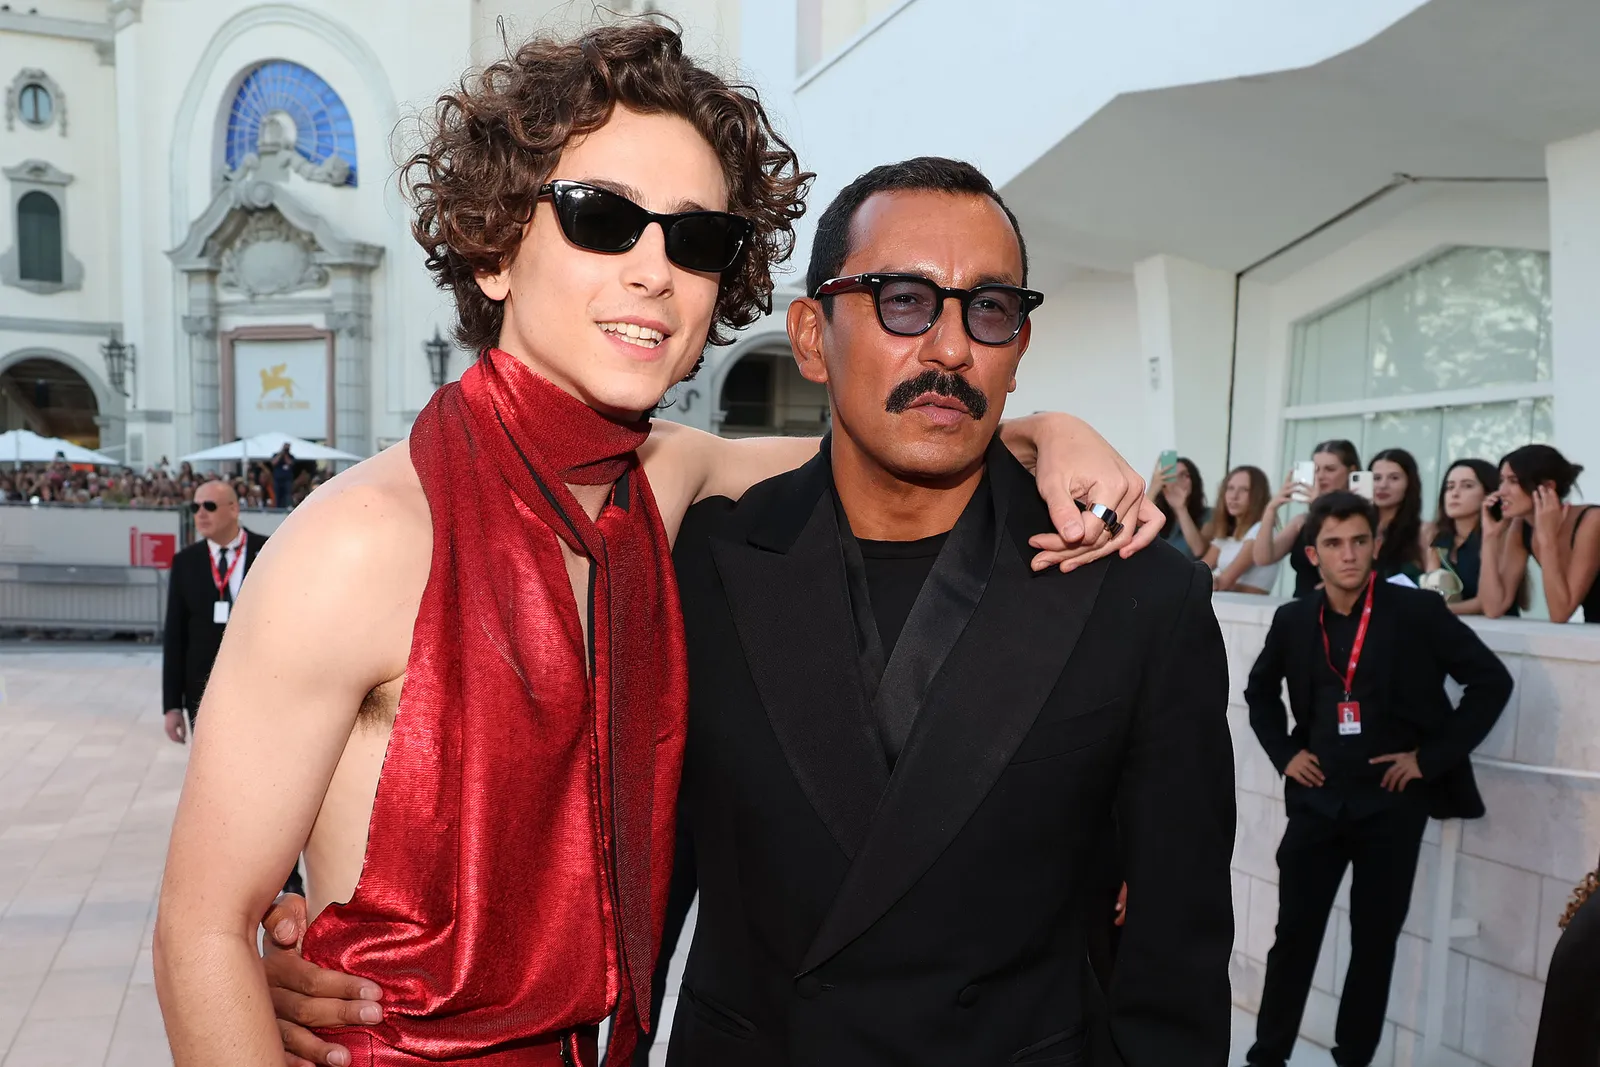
<point>275,158</point>
<point>353,324</point>
<point>58,100</point>
<point>268,257</point>
<point>199,325</point>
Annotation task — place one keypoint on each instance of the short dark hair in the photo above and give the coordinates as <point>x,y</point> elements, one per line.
<point>831,246</point>
<point>1536,464</point>
<point>1337,506</point>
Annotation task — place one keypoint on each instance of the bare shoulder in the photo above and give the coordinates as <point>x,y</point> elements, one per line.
<point>347,568</point>
<point>672,460</point>
<point>376,507</point>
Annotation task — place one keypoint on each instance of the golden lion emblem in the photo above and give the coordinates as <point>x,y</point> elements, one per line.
<point>277,377</point>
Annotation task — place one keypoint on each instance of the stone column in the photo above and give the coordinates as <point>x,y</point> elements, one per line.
<point>351,322</point>
<point>1186,338</point>
<point>131,169</point>
<point>1573,169</point>
<point>205,360</point>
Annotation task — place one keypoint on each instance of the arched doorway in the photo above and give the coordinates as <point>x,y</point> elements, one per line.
<point>763,394</point>
<point>50,398</point>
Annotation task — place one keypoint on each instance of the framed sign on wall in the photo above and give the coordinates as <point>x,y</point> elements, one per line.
<point>278,378</point>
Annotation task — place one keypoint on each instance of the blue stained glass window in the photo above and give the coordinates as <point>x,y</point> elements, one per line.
<point>322,122</point>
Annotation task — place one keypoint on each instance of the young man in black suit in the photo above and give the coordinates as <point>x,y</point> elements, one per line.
<point>1376,748</point>
<point>201,591</point>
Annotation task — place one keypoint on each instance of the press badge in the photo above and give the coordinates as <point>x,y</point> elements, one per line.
<point>219,615</point>
<point>1349,719</point>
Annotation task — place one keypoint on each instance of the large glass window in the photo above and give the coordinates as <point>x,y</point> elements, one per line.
<point>1449,360</point>
<point>39,238</point>
<point>322,124</point>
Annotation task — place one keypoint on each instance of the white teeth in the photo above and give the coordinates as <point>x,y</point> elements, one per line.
<point>643,336</point>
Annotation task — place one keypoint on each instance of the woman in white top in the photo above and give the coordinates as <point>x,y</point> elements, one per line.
<point>1244,498</point>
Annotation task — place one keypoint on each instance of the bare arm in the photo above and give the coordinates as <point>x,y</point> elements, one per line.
<point>1070,461</point>
<point>1268,549</point>
<point>1198,542</point>
<point>1504,562</point>
<point>1229,578</point>
<point>1574,562</point>
<point>321,620</point>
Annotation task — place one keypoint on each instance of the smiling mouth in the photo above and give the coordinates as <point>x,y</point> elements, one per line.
<point>633,333</point>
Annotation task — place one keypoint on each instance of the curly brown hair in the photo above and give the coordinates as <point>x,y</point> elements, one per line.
<point>493,143</point>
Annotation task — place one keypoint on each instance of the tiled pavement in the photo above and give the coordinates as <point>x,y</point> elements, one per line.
<point>88,784</point>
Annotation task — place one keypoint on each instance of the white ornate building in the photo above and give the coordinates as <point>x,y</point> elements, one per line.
<point>1256,224</point>
<point>210,183</point>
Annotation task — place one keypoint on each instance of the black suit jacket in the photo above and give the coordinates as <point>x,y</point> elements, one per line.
<point>192,639</point>
<point>1413,642</point>
<point>938,915</point>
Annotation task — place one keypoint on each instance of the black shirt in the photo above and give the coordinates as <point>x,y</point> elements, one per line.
<point>896,572</point>
<point>1352,780</point>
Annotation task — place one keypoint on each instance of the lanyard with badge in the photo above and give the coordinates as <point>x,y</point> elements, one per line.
<point>1349,711</point>
<point>224,583</point>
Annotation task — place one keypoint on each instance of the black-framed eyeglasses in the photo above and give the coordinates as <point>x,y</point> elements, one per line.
<point>909,304</point>
<point>196,505</point>
<point>602,221</point>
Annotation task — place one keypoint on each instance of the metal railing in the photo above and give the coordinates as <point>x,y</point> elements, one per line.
<point>54,596</point>
<point>1446,927</point>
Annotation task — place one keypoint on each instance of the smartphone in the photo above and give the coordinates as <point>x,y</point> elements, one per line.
<point>1305,472</point>
<point>1169,459</point>
<point>1361,483</point>
<point>1496,512</point>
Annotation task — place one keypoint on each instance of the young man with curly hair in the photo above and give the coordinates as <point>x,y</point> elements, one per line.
<point>497,856</point>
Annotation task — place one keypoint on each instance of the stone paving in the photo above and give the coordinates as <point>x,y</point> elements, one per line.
<point>88,785</point>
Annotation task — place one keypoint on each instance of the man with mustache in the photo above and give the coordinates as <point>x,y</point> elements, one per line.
<point>907,742</point>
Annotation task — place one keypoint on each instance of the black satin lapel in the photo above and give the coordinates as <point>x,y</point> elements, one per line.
<point>938,617</point>
<point>980,706</point>
<point>793,616</point>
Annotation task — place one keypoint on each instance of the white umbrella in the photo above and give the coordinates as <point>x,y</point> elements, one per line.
<point>25,446</point>
<point>265,446</point>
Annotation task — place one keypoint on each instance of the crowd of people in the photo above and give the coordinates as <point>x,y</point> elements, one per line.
<point>1488,521</point>
<point>281,483</point>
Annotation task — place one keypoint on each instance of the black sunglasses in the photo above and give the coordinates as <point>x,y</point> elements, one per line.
<point>196,505</point>
<point>602,221</point>
<point>909,304</point>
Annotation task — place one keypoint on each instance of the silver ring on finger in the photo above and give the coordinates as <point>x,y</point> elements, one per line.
<point>1107,516</point>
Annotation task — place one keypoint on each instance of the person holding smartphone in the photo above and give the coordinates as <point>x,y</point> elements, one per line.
<point>1331,464</point>
<point>1529,516</point>
<point>1179,491</point>
<point>1454,539</point>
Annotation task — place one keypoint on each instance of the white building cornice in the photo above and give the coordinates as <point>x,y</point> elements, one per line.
<point>96,33</point>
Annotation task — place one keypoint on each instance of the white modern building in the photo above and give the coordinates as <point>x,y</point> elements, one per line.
<point>1257,224</point>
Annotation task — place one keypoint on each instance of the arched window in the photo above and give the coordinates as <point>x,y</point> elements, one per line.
<point>35,104</point>
<point>322,126</point>
<point>39,238</point>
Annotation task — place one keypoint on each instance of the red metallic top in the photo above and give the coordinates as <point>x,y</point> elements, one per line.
<point>520,848</point>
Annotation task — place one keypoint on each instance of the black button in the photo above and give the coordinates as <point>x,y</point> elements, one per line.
<point>968,996</point>
<point>809,987</point>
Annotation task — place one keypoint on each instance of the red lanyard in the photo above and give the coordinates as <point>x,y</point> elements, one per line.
<point>1349,674</point>
<point>224,582</point>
